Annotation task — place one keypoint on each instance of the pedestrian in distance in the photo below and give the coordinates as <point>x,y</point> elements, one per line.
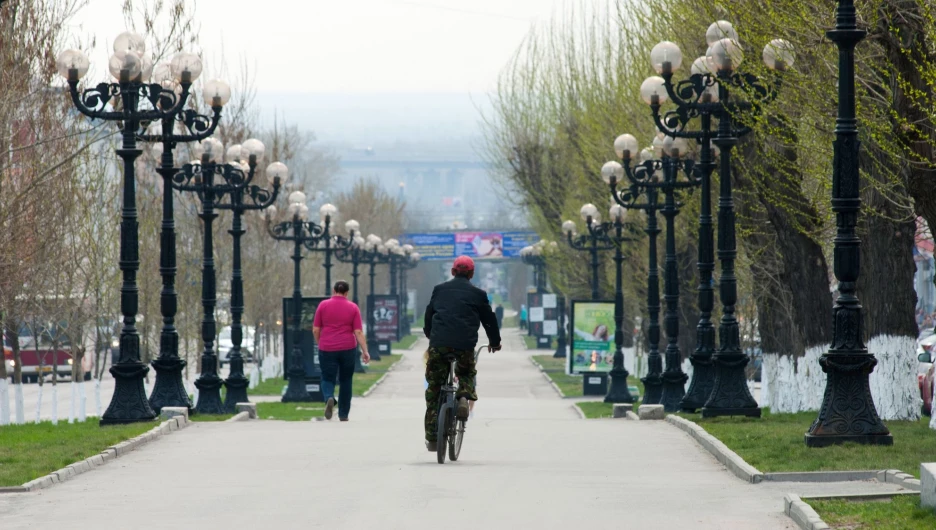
<point>523,316</point>
<point>337,330</point>
<point>499,313</point>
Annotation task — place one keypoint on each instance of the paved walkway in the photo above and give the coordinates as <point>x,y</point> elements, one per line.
<point>528,462</point>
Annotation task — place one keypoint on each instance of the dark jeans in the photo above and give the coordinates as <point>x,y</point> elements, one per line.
<point>338,367</point>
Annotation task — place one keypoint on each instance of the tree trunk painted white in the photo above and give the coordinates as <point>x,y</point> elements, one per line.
<point>254,377</point>
<point>146,390</point>
<point>82,401</point>
<point>795,385</point>
<point>894,384</point>
<point>932,423</point>
<point>4,402</point>
<point>54,404</point>
<point>39,404</point>
<point>97,397</point>
<point>688,369</point>
<point>72,411</point>
<point>20,406</point>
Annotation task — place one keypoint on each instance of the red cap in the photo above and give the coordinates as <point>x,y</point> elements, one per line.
<point>463,264</point>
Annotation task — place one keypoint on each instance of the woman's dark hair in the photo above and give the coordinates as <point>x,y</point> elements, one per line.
<point>342,287</point>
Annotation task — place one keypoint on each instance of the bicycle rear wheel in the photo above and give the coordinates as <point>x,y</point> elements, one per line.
<point>455,442</point>
<point>446,412</point>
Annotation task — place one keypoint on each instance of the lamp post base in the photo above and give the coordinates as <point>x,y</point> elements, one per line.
<point>169,390</point>
<point>129,404</point>
<point>700,388</point>
<point>296,391</point>
<point>847,413</point>
<point>560,349</point>
<point>209,395</point>
<point>730,395</point>
<point>236,386</point>
<point>653,389</point>
<point>674,389</point>
<point>617,390</point>
<point>373,349</point>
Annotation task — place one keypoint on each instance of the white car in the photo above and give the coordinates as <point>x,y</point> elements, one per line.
<point>225,344</point>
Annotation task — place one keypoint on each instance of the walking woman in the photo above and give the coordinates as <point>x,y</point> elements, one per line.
<point>337,330</point>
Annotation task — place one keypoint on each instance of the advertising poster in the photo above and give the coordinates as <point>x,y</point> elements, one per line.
<point>306,339</point>
<point>592,336</point>
<point>385,316</point>
<point>478,245</point>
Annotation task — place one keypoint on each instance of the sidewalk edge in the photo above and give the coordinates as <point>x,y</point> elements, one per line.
<point>719,450</point>
<point>115,451</point>
<point>548,379</point>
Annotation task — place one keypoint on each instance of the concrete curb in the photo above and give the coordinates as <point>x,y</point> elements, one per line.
<point>632,416</point>
<point>579,411</point>
<point>821,476</point>
<point>548,379</point>
<point>802,514</point>
<point>115,451</point>
<point>381,380</point>
<point>895,476</point>
<point>719,450</point>
<point>240,416</point>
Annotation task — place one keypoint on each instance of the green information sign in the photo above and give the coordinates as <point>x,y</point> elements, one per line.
<point>592,336</point>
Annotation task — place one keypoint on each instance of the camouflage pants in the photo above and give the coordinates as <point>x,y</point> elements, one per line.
<point>436,374</point>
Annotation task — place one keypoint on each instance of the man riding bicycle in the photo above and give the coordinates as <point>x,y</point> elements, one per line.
<point>455,312</point>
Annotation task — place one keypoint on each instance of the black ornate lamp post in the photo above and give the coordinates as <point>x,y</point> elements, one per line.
<point>252,150</point>
<point>670,153</point>
<point>330,243</point>
<point>533,255</point>
<point>595,241</point>
<point>354,255</point>
<point>310,235</point>
<point>410,262</point>
<point>133,101</point>
<point>626,146</point>
<point>847,413</point>
<point>375,253</point>
<point>200,178</point>
<point>169,390</point>
<point>708,93</point>
<point>607,236</point>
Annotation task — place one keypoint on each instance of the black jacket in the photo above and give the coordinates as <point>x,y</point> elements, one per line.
<point>455,312</point>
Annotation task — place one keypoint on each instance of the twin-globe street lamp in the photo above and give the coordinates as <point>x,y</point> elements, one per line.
<point>706,94</point>
<point>668,156</point>
<point>309,234</point>
<point>212,180</point>
<point>408,261</point>
<point>133,101</point>
<point>606,236</point>
<point>184,127</point>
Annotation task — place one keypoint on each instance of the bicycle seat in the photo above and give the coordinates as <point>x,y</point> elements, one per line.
<point>449,356</point>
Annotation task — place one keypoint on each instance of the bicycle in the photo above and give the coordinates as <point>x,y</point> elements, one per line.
<point>451,430</point>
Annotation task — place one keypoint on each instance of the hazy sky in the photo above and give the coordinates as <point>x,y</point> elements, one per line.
<point>355,45</point>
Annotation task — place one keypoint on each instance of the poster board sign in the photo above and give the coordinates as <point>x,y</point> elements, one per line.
<point>306,339</point>
<point>543,314</point>
<point>592,337</point>
<point>384,310</point>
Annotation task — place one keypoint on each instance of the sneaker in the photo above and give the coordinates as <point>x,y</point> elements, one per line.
<point>462,410</point>
<point>432,446</point>
<point>329,408</point>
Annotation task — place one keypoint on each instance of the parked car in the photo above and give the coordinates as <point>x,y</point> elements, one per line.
<point>225,344</point>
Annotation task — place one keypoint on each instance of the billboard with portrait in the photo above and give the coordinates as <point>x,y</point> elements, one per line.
<point>440,246</point>
<point>384,310</point>
<point>592,336</point>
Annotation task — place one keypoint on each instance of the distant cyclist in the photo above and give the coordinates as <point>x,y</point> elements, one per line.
<point>455,312</point>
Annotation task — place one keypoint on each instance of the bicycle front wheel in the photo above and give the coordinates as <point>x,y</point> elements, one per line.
<point>446,412</point>
<point>455,442</point>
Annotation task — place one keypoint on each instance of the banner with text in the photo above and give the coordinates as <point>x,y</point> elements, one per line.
<point>442,246</point>
<point>385,316</point>
<point>592,339</point>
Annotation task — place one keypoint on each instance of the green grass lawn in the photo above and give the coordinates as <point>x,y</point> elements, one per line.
<point>902,512</point>
<point>32,450</point>
<point>571,385</point>
<point>775,443</point>
<point>361,382</point>
<point>405,342</point>
<point>596,409</point>
<point>290,411</point>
